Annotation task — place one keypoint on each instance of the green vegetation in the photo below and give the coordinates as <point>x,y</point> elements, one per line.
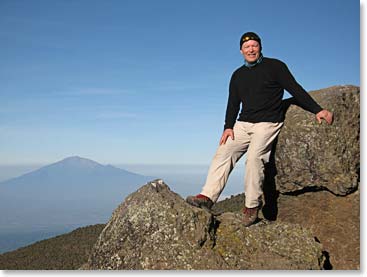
<point>233,204</point>
<point>68,251</point>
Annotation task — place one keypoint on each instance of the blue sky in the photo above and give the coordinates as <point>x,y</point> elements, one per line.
<point>146,82</point>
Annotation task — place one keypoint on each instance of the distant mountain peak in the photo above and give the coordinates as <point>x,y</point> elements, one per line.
<point>79,162</point>
<point>74,158</point>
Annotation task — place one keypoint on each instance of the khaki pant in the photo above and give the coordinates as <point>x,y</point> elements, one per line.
<point>254,138</point>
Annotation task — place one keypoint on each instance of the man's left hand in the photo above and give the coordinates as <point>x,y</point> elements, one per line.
<point>326,115</point>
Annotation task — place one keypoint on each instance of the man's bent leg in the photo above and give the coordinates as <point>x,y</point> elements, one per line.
<point>224,161</point>
<point>258,154</point>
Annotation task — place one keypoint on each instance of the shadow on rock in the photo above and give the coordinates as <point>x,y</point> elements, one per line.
<point>271,194</point>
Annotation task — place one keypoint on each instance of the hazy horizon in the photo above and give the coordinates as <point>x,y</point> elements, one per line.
<point>9,171</point>
<point>182,179</point>
<point>185,175</point>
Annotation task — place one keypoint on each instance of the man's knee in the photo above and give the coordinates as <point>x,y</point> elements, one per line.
<point>257,159</point>
<point>226,152</point>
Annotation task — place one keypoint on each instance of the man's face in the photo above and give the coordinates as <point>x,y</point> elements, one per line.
<point>250,51</point>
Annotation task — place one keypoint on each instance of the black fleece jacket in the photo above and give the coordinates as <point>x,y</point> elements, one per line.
<point>260,89</point>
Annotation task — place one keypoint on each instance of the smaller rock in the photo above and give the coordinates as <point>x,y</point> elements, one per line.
<point>266,245</point>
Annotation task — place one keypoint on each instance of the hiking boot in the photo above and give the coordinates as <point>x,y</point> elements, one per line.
<point>200,201</point>
<point>250,215</point>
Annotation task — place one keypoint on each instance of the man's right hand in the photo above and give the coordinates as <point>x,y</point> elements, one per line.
<point>326,115</point>
<point>226,133</point>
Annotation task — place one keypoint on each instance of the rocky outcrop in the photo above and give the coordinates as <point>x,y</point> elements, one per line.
<point>313,156</point>
<point>154,228</point>
<point>315,165</point>
<point>313,176</point>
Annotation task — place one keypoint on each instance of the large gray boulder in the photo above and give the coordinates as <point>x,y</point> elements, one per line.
<point>310,155</point>
<point>154,228</point>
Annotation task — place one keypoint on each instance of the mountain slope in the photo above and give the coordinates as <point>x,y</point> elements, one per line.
<point>68,194</point>
<point>65,252</point>
<point>72,171</point>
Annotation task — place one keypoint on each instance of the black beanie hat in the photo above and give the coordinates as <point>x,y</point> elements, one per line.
<point>250,36</point>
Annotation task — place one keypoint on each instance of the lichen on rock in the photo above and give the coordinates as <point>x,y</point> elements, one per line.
<point>154,228</point>
<point>313,155</point>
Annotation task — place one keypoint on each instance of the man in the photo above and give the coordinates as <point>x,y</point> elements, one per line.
<point>259,85</point>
